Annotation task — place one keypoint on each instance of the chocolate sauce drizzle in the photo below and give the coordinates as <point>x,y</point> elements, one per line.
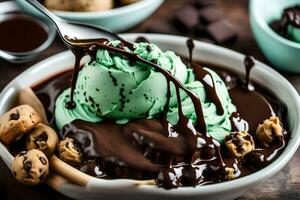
<point>205,78</point>
<point>249,64</point>
<point>197,138</point>
<point>177,155</point>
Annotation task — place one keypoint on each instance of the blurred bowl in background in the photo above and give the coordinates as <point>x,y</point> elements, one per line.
<point>284,54</point>
<point>117,19</point>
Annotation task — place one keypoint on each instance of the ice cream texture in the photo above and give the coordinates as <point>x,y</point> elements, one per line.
<point>112,87</point>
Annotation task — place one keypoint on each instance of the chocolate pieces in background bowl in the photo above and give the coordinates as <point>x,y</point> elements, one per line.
<point>200,19</point>
<point>221,32</point>
<point>186,19</point>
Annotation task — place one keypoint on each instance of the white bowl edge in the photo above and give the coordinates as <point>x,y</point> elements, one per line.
<point>261,74</point>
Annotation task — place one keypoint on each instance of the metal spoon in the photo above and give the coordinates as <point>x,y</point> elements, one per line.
<point>71,30</point>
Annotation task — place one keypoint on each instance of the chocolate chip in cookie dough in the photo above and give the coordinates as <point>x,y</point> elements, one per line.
<point>27,166</point>
<point>43,160</point>
<point>42,137</point>
<point>14,116</point>
<point>22,153</point>
<point>42,176</point>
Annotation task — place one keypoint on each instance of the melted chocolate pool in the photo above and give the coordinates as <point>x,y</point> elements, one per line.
<point>21,34</point>
<point>175,155</point>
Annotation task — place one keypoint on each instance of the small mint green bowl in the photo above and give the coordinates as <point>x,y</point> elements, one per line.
<point>282,53</point>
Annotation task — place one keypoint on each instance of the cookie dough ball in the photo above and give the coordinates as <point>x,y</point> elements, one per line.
<point>238,144</point>
<point>79,5</point>
<point>31,167</point>
<point>269,130</point>
<point>17,122</point>
<point>69,152</point>
<point>43,138</point>
<point>230,173</point>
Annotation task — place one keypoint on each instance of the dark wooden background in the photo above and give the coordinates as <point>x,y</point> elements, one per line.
<point>284,185</point>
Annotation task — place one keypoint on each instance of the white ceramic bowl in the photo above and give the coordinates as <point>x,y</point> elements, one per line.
<point>117,19</point>
<point>124,189</point>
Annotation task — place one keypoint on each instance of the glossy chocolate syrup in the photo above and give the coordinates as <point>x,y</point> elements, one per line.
<point>174,155</point>
<point>21,34</point>
<point>290,16</point>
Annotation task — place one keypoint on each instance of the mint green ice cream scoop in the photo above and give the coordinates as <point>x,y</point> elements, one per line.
<point>111,87</point>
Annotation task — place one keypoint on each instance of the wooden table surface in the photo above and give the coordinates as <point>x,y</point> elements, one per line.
<point>283,185</point>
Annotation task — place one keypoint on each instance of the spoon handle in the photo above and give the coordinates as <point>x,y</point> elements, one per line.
<point>45,11</point>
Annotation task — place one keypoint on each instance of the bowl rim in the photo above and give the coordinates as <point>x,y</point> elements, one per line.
<point>264,26</point>
<point>108,13</point>
<point>251,179</point>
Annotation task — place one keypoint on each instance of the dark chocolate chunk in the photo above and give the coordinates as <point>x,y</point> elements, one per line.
<point>186,19</point>
<point>189,177</point>
<point>276,26</point>
<point>14,116</point>
<point>255,159</point>
<point>211,14</point>
<point>221,32</point>
<point>43,160</point>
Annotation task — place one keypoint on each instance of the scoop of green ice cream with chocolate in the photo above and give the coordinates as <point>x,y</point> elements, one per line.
<point>112,87</point>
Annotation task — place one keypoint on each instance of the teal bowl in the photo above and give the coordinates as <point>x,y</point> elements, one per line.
<point>117,19</point>
<point>282,53</point>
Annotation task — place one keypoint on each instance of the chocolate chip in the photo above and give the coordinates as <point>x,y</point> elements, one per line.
<point>154,61</point>
<point>43,137</point>
<point>22,153</point>
<point>42,176</point>
<point>142,39</point>
<point>14,116</point>
<point>43,160</point>
<point>28,176</point>
<point>27,166</point>
<point>210,14</point>
<point>121,45</point>
<point>67,145</point>
<point>221,32</point>
<point>186,18</point>
<point>149,48</point>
